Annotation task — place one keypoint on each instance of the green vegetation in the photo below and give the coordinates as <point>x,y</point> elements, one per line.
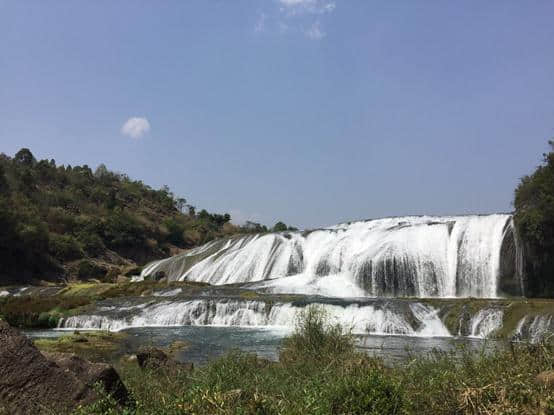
<point>63,221</point>
<point>320,372</point>
<point>282,227</point>
<point>39,312</point>
<point>44,311</point>
<point>99,345</point>
<point>534,218</point>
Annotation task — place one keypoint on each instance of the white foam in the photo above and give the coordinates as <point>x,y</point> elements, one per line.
<point>486,322</point>
<point>361,319</point>
<point>427,256</point>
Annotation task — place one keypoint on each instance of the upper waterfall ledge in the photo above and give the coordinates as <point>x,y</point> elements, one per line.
<point>413,256</point>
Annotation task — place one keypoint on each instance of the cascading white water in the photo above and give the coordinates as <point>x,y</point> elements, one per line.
<point>485,322</point>
<point>534,328</point>
<point>425,256</point>
<point>417,320</point>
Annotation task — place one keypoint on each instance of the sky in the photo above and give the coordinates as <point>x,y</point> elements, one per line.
<point>312,112</point>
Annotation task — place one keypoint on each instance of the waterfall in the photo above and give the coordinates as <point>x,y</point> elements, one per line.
<point>485,322</point>
<point>534,328</point>
<point>424,256</point>
<point>415,320</point>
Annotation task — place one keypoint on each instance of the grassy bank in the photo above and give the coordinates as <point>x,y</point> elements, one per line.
<point>35,310</point>
<point>96,346</point>
<point>320,372</point>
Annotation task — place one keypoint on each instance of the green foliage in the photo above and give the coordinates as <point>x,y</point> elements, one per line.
<point>88,269</point>
<point>368,392</point>
<point>282,227</point>
<point>534,218</point>
<point>24,157</point>
<point>279,227</point>
<point>92,244</point>
<point>316,340</point>
<point>64,247</point>
<point>51,215</point>
<point>175,229</point>
<point>500,382</point>
<point>38,312</point>
<point>121,229</point>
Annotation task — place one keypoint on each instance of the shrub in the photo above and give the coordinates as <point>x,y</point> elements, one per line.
<point>88,269</point>
<point>367,392</point>
<point>64,247</point>
<point>92,243</point>
<point>317,340</point>
<point>175,231</point>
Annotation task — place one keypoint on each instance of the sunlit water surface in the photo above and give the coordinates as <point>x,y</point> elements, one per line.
<point>206,343</point>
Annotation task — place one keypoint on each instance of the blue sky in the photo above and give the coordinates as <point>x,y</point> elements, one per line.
<point>308,111</point>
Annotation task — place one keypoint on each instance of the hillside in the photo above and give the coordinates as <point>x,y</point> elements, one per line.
<point>64,222</point>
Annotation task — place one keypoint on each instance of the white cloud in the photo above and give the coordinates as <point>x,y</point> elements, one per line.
<point>296,7</point>
<point>260,24</point>
<point>314,31</point>
<point>295,17</point>
<point>135,127</point>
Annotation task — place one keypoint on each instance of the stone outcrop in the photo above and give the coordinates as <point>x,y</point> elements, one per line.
<point>30,383</point>
<point>153,358</point>
<point>33,383</point>
<point>92,373</point>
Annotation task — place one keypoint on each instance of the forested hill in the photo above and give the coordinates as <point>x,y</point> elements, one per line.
<point>65,222</point>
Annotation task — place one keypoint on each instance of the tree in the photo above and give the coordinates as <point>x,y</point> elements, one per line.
<point>181,203</point>
<point>280,227</point>
<point>24,157</point>
<point>254,227</point>
<point>101,171</point>
<point>4,188</point>
<point>534,219</point>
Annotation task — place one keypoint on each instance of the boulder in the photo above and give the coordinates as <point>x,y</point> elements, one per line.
<point>153,358</point>
<point>31,384</point>
<point>92,373</point>
<point>122,279</point>
<point>546,378</point>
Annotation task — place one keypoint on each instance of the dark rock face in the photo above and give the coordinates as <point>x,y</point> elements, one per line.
<point>92,373</point>
<point>31,384</point>
<point>153,358</point>
<point>50,383</point>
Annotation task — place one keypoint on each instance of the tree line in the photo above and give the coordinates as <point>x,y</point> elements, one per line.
<point>63,220</point>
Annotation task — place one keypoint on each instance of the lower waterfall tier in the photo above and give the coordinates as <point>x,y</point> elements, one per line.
<point>423,318</point>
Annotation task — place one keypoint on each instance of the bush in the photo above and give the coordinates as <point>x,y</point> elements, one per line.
<point>48,320</point>
<point>366,392</point>
<point>88,269</point>
<point>175,231</point>
<point>122,230</point>
<point>64,247</point>
<point>317,340</point>
<point>92,243</point>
